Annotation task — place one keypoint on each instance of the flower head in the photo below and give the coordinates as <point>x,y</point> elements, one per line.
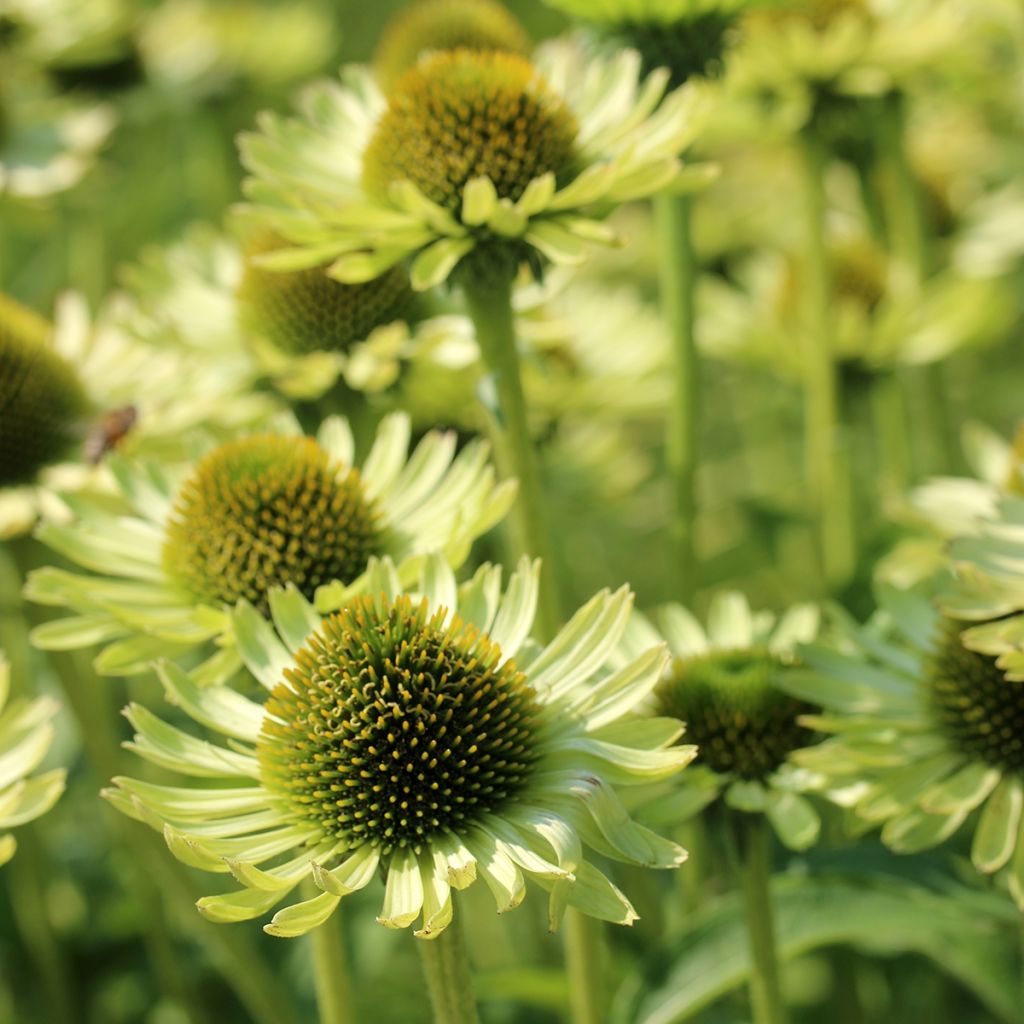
<point>99,386</point>
<point>25,735</point>
<point>689,37</point>
<point>475,152</point>
<point>305,311</point>
<point>255,513</point>
<point>42,401</point>
<point>723,683</point>
<point>925,731</point>
<point>432,25</point>
<point>417,734</point>
<point>266,511</point>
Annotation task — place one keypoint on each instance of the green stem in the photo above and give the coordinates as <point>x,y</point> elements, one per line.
<point>753,841</point>
<point>827,484</point>
<point>333,982</point>
<point>907,232</point>
<point>584,961</point>
<point>678,272</point>
<point>449,983</point>
<point>490,308</point>
<point>27,879</point>
<point>891,430</point>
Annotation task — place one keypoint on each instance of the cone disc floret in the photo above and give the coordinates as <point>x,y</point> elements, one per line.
<point>741,722</point>
<point>265,511</point>
<point>481,25</point>
<point>396,726</point>
<point>978,708</point>
<point>461,115</point>
<point>305,311</point>
<point>42,403</point>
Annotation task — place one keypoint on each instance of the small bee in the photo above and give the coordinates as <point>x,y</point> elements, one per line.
<point>109,431</point>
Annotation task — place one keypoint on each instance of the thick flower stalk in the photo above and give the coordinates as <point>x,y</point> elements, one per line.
<point>259,512</point>
<point>416,735</point>
<point>25,736</point>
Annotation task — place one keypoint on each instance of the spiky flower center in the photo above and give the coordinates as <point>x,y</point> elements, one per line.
<point>978,708</point>
<point>432,25</point>
<point>742,723</point>
<point>42,404</point>
<point>692,46</point>
<point>461,115</point>
<point>305,311</point>
<point>396,726</point>
<point>265,511</point>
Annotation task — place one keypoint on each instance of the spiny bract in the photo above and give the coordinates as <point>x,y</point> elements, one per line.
<point>431,25</point>
<point>741,722</point>
<point>304,311</point>
<point>461,115</point>
<point>42,403</point>
<point>395,726</point>
<point>979,709</point>
<point>264,511</point>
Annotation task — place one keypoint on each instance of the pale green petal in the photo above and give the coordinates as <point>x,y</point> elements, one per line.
<point>996,835</point>
<point>479,200</point>
<point>294,617</point>
<point>437,895</point>
<point>433,266</point>
<point>917,831</point>
<point>263,653</point>
<point>403,893</point>
<point>354,873</point>
<point>794,819</point>
<point>685,635</point>
<point>217,707</point>
<point>514,619</point>
<point>730,623</point>
<point>500,873</point>
<point>299,918</point>
<point>962,791</point>
<point>241,905</point>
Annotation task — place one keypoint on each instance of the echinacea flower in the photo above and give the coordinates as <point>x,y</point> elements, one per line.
<point>300,329</point>
<point>948,507</point>
<point>987,586</point>
<point>828,62</point>
<point>257,512</point>
<point>73,390</point>
<point>427,26</point>
<point>418,736</point>
<point>689,37</point>
<point>724,682</point>
<point>924,733</point>
<point>25,735</point>
<point>48,143</point>
<point>878,326</point>
<point>475,154</point>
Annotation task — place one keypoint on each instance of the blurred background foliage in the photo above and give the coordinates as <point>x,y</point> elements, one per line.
<point>874,938</point>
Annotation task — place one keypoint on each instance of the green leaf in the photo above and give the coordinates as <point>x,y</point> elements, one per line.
<point>957,929</point>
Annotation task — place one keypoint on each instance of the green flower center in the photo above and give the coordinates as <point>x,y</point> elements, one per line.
<point>265,511</point>
<point>432,25</point>
<point>395,727</point>
<point>687,47</point>
<point>460,115</point>
<point>42,404</point>
<point>306,311</point>
<point>980,711</point>
<point>742,723</point>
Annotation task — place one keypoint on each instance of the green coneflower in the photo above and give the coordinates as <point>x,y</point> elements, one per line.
<point>76,390</point>
<point>430,25</point>
<point>25,735</point>
<point>255,513</point>
<point>925,732</point>
<point>305,311</point>
<point>724,683</point>
<point>266,511</point>
<point>42,402</point>
<point>412,735</point>
<point>473,151</point>
<point>689,37</point>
